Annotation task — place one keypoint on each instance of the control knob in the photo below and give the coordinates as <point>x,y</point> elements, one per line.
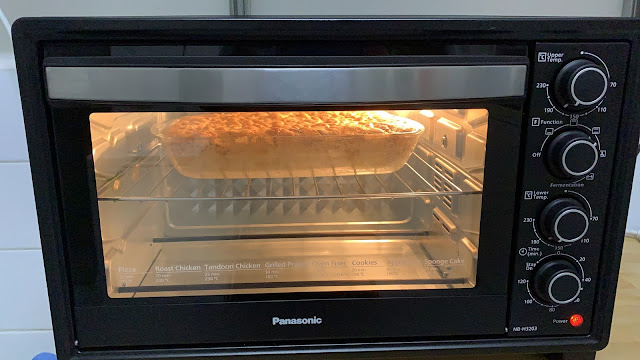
<point>556,281</point>
<point>580,84</point>
<point>564,220</point>
<point>572,153</point>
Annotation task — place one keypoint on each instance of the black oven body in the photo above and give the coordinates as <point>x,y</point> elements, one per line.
<point>498,315</point>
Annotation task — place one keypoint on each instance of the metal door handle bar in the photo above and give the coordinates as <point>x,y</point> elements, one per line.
<point>290,85</point>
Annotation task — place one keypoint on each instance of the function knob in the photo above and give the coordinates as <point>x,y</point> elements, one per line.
<point>571,154</point>
<point>564,220</point>
<point>580,84</point>
<point>556,281</point>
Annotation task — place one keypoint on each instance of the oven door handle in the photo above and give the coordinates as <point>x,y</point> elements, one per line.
<point>286,85</point>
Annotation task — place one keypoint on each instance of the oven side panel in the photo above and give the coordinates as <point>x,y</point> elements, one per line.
<point>622,177</point>
<point>44,175</point>
<point>530,313</point>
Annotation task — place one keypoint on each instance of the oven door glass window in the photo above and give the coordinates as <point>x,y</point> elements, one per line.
<point>277,202</point>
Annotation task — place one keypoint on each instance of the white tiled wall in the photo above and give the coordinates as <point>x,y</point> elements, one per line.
<point>439,7</point>
<point>633,221</point>
<point>24,345</point>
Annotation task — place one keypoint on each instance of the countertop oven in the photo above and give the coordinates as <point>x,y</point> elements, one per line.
<point>326,187</point>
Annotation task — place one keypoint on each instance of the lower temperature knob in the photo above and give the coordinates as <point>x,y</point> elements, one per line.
<point>556,282</point>
<point>564,220</point>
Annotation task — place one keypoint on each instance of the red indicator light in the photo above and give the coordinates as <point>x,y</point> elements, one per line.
<point>576,320</point>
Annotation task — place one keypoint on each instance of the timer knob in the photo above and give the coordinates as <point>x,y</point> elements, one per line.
<point>564,220</point>
<point>580,84</point>
<point>571,154</point>
<point>556,281</point>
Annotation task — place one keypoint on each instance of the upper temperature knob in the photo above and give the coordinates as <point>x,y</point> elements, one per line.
<point>571,154</point>
<point>580,84</point>
<point>564,220</point>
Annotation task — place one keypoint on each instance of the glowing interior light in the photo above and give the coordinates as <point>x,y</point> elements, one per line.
<point>427,113</point>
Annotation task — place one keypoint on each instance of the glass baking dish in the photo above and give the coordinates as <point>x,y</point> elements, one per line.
<point>278,156</point>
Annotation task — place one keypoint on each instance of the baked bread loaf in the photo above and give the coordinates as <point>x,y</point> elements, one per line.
<point>289,144</point>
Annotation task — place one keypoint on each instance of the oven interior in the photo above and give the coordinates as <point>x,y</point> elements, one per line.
<point>200,217</point>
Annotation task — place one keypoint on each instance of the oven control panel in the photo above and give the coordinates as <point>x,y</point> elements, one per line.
<point>571,128</point>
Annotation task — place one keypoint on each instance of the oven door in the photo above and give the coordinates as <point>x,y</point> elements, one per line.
<point>271,200</point>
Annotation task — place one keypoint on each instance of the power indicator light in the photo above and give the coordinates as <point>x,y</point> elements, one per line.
<point>576,320</point>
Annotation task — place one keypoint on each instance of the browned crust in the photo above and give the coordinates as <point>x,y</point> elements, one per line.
<point>261,125</point>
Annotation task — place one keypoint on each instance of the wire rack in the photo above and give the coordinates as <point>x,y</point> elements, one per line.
<point>154,178</point>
